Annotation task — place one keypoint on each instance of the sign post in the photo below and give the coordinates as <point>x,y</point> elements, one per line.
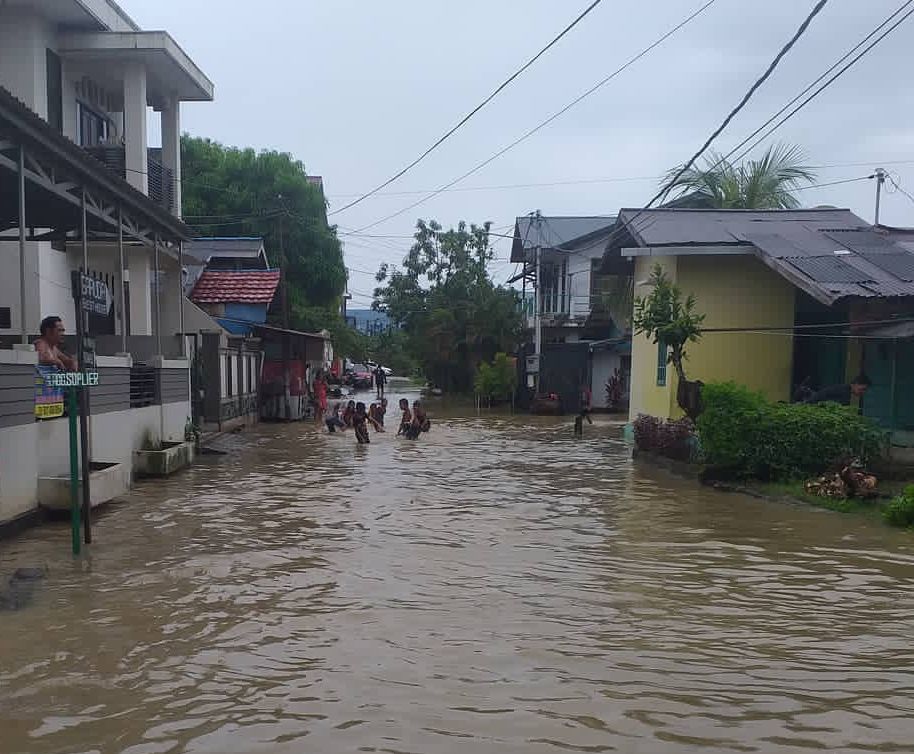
<point>74,470</point>
<point>90,296</point>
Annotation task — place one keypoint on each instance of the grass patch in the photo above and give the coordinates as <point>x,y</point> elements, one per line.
<point>795,491</point>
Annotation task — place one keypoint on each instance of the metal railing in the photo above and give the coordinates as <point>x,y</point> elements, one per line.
<point>160,180</point>
<point>143,386</point>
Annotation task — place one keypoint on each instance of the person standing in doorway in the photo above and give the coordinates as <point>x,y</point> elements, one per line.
<point>380,380</point>
<point>49,345</point>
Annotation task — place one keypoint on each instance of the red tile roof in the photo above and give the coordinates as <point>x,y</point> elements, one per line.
<point>244,287</point>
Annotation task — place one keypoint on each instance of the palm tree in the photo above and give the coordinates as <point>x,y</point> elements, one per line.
<point>766,183</point>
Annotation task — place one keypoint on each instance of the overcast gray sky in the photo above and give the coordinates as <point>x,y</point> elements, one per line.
<point>357,89</point>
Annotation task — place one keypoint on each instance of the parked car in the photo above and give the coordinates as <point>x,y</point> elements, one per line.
<point>372,365</point>
<point>360,376</point>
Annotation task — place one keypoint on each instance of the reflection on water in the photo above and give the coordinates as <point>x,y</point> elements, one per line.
<point>495,587</point>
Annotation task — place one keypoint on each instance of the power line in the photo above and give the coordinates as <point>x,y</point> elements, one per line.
<point>669,184</point>
<point>584,181</point>
<point>551,118</point>
<point>473,112</point>
<point>899,188</point>
<point>835,77</point>
<point>817,8</point>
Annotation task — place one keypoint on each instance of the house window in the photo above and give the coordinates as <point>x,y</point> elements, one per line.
<point>93,127</point>
<point>661,363</point>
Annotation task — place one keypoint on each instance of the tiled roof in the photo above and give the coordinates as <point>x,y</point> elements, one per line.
<point>245,287</point>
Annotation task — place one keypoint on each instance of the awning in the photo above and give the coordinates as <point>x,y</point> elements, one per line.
<point>58,173</point>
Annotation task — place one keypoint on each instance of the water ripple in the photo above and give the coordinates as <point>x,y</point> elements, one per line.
<point>496,586</point>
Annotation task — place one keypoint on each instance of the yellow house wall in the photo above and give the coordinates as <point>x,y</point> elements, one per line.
<point>646,396</point>
<point>732,292</point>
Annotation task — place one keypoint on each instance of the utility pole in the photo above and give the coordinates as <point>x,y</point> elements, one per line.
<point>286,351</point>
<point>880,180</point>
<point>537,302</point>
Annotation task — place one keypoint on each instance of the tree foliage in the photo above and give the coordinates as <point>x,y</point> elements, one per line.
<point>666,317</point>
<point>229,191</point>
<point>766,183</point>
<point>496,381</point>
<point>444,300</point>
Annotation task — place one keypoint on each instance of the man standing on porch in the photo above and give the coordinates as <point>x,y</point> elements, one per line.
<point>842,393</point>
<point>48,345</point>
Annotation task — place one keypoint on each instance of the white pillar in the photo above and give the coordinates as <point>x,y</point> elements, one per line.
<point>171,146</point>
<point>135,126</point>
<point>140,276</point>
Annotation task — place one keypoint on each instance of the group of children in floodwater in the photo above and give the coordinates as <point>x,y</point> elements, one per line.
<point>355,416</point>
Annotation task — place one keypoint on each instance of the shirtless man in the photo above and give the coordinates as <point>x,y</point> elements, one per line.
<point>48,345</point>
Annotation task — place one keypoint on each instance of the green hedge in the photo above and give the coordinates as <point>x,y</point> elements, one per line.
<point>900,511</point>
<point>743,434</point>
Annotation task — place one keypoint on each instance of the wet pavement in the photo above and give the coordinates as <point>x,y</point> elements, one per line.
<point>496,586</point>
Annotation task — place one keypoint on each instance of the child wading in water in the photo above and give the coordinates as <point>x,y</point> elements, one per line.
<point>419,422</point>
<point>360,420</point>
<point>406,420</point>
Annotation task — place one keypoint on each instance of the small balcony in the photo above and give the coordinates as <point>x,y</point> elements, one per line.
<point>160,179</point>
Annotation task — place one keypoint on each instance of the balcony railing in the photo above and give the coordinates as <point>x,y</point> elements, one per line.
<point>160,180</point>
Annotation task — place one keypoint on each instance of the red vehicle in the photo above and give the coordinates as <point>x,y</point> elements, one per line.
<point>360,376</point>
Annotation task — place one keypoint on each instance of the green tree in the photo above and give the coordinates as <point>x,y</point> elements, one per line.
<point>444,300</point>
<point>766,183</point>
<point>667,318</point>
<point>496,381</point>
<point>229,191</point>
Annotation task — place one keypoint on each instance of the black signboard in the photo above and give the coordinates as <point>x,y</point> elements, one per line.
<point>94,297</point>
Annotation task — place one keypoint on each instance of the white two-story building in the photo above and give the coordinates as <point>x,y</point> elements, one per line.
<point>580,343</point>
<point>80,188</point>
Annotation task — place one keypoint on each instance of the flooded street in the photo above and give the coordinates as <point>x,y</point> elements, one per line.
<point>496,586</point>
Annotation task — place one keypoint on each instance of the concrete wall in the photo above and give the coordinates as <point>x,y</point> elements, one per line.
<point>25,38</point>
<point>18,436</point>
<point>9,286</point>
<point>733,292</point>
<point>646,396</point>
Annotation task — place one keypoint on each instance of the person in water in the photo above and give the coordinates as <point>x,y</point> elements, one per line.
<point>406,418</point>
<point>584,413</point>
<point>320,396</point>
<point>360,421</point>
<point>420,422</point>
<point>376,414</point>
<point>335,420</point>
<point>348,414</point>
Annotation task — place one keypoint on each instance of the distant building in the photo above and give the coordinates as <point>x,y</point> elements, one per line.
<point>582,345</point>
<point>368,321</point>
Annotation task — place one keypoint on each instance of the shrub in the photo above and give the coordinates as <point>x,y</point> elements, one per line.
<point>900,512</point>
<point>745,435</point>
<point>673,439</point>
<point>498,380</point>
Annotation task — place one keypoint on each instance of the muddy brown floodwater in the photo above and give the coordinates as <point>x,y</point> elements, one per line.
<point>496,587</point>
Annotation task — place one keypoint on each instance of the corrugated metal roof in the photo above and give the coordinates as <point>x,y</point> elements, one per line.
<point>829,253</point>
<point>554,232</point>
<point>246,287</point>
<point>242,247</point>
<point>706,227</point>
